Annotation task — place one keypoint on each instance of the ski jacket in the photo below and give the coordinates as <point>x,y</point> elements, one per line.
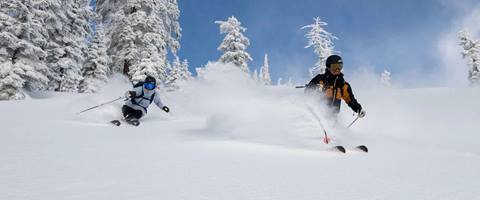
<point>334,88</point>
<point>143,98</point>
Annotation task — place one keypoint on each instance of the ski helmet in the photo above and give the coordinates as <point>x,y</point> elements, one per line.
<point>333,59</point>
<point>150,79</point>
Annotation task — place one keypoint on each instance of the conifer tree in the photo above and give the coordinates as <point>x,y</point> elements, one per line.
<point>265,72</point>
<point>142,32</point>
<point>95,70</point>
<point>255,75</point>
<point>184,69</point>
<point>234,44</point>
<point>471,53</point>
<point>66,50</point>
<point>385,78</point>
<point>322,43</point>
<point>23,38</point>
<point>175,74</point>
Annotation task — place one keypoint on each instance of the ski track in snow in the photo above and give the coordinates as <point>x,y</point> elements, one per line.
<point>229,138</point>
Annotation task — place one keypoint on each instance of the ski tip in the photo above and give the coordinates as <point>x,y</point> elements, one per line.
<point>133,122</point>
<point>340,148</point>
<point>362,148</point>
<point>115,122</point>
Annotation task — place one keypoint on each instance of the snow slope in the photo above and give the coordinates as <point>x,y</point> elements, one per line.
<point>228,137</point>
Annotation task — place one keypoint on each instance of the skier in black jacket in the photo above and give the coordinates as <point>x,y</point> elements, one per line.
<point>334,87</point>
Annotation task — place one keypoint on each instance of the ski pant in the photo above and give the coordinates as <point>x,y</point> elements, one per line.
<point>130,113</point>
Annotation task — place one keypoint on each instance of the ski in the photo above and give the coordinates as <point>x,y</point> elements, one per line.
<point>362,148</point>
<point>340,148</point>
<point>133,122</point>
<point>116,122</point>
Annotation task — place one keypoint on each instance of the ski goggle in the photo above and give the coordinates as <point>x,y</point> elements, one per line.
<point>336,66</point>
<point>149,86</point>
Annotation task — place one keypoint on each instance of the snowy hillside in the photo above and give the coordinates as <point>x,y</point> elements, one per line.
<point>229,137</point>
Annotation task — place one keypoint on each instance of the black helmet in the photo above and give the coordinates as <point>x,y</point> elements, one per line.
<point>150,79</point>
<point>333,59</point>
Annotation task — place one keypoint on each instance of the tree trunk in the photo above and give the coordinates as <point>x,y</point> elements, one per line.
<point>126,68</point>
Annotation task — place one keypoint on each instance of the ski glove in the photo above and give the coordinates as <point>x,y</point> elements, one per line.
<point>362,113</point>
<point>130,94</point>
<point>166,109</point>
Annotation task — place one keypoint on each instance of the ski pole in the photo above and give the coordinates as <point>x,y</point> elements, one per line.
<point>326,140</point>
<point>100,105</point>
<point>358,117</point>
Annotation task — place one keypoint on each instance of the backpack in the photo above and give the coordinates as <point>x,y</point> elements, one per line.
<point>138,84</point>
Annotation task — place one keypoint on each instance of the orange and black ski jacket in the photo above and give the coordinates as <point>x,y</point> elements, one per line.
<point>334,88</point>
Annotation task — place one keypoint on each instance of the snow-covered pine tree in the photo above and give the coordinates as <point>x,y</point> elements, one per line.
<point>107,10</point>
<point>290,82</point>
<point>141,32</point>
<point>177,71</point>
<point>265,72</point>
<point>260,75</point>
<point>122,47</point>
<point>151,62</point>
<point>172,25</point>
<point>67,47</point>
<point>23,38</point>
<point>146,68</point>
<point>174,74</point>
<point>385,78</point>
<point>322,42</point>
<point>255,75</point>
<point>471,52</point>
<point>10,82</point>
<point>234,44</point>
<point>185,73</point>
<point>95,69</point>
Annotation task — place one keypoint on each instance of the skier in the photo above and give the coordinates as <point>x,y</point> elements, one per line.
<point>334,87</point>
<point>142,95</point>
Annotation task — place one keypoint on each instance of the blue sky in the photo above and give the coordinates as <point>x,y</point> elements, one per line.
<point>401,36</point>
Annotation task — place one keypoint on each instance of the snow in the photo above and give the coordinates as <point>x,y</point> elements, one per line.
<point>229,137</point>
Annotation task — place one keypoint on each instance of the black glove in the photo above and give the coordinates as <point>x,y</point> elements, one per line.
<point>130,94</point>
<point>362,113</point>
<point>166,109</point>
